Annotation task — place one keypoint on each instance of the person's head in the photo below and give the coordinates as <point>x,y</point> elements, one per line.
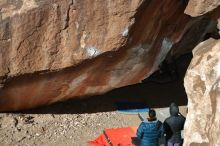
<point>152,114</point>
<point>174,109</point>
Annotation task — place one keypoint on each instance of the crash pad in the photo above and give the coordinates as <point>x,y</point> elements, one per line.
<point>99,141</point>
<point>131,107</point>
<point>115,137</point>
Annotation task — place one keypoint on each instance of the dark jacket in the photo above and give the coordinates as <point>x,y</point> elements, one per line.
<point>173,125</point>
<point>149,132</point>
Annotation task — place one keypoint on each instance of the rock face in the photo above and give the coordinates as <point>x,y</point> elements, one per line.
<point>202,84</point>
<point>39,35</point>
<point>52,50</point>
<point>198,7</point>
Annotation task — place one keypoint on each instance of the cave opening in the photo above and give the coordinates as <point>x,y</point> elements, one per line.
<point>156,91</point>
<point>159,89</point>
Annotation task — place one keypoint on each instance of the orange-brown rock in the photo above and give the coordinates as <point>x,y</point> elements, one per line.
<point>39,35</point>
<point>202,84</point>
<point>52,50</point>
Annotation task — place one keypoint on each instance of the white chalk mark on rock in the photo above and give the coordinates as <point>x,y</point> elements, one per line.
<point>125,32</point>
<point>92,51</point>
<point>165,48</point>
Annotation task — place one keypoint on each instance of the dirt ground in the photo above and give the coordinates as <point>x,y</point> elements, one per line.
<point>74,122</point>
<point>62,129</point>
<point>59,129</point>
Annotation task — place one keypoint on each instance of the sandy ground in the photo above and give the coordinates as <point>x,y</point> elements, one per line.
<point>63,129</point>
<point>74,122</point>
<point>58,130</point>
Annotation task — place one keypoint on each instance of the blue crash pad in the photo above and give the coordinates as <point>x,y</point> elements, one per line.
<point>131,107</point>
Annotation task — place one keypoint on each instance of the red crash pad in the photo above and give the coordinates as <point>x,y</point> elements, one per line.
<point>100,141</point>
<point>115,137</point>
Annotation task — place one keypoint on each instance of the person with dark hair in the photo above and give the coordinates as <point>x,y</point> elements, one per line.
<point>150,130</point>
<point>173,126</point>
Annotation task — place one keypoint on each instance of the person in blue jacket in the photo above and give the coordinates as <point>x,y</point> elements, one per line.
<point>150,130</point>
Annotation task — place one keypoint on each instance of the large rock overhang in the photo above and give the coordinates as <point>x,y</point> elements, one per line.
<point>55,50</point>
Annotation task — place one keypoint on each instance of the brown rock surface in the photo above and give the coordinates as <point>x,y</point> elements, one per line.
<point>40,35</point>
<point>202,84</point>
<point>200,7</point>
<point>52,50</point>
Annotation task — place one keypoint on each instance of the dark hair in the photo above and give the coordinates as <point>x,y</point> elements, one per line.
<point>152,114</point>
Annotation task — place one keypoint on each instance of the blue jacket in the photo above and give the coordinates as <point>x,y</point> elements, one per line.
<point>149,132</point>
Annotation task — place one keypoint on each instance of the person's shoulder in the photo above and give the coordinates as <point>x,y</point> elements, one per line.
<point>167,119</point>
<point>182,118</point>
<point>144,123</point>
<point>158,121</point>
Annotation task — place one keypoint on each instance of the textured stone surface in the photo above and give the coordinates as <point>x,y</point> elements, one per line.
<point>202,84</point>
<point>52,50</point>
<point>198,7</point>
<point>42,35</point>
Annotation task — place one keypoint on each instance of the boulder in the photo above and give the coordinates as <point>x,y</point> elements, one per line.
<point>202,84</point>
<point>52,50</point>
<point>198,7</point>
